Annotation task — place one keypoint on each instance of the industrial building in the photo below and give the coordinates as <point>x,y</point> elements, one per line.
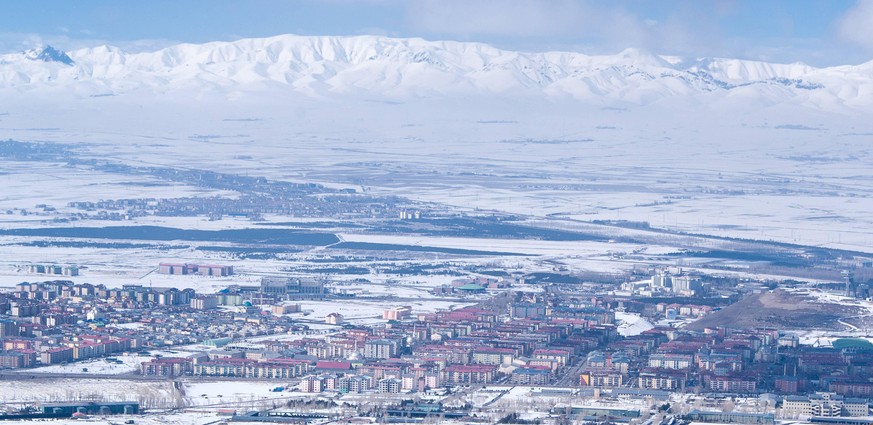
<point>198,269</point>
<point>292,288</point>
<point>91,407</point>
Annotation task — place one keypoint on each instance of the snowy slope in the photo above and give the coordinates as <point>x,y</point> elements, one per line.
<point>392,68</point>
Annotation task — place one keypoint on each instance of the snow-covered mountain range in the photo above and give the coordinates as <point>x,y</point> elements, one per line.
<point>412,68</point>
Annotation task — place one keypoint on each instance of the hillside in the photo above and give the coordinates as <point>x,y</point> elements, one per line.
<point>778,309</point>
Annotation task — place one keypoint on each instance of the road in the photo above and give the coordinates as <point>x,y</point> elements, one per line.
<point>851,326</point>
<point>570,377</point>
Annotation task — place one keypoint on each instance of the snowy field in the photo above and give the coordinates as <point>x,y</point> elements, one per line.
<point>735,172</point>
<point>98,366</point>
<point>558,161</point>
<point>528,399</point>
<point>48,390</point>
<point>186,418</point>
<point>137,264</point>
<point>778,152</point>
<point>201,400</point>
<point>155,394</point>
<point>244,395</point>
<point>630,324</point>
<point>853,327</point>
<point>27,184</point>
<point>127,363</point>
<point>509,246</point>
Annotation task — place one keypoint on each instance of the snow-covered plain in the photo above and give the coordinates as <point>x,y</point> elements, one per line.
<point>244,394</point>
<point>45,390</point>
<point>175,418</point>
<point>97,366</point>
<point>202,398</point>
<point>723,147</point>
<point>718,146</point>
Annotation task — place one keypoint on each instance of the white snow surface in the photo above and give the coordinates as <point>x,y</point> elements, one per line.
<point>129,363</point>
<point>630,324</point>
<point>66,389</point>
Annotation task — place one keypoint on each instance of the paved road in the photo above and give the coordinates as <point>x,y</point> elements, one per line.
<point>570,377</point>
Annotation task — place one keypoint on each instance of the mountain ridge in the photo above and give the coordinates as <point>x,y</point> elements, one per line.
<point>413,67</point>
<point>48,54</point>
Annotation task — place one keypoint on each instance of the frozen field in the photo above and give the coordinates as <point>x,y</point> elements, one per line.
<point>98,366</point>
<point>787,174</point>
<point>630,324</point>
<point>241,394</point>
<point>155,394</point>
<point>186,418</point>
<point>784,173</point>
<point>47,390</point>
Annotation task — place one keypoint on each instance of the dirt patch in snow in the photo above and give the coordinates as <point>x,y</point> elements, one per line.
<point>778,309</point>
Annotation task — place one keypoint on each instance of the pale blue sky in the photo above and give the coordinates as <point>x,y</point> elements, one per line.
<point>819,32</point>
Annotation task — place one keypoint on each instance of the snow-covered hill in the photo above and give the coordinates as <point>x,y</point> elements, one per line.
<point>371,66</point>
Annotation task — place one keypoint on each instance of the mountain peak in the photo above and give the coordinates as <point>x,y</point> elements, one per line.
<point>49,54</point>
<point>642,57</point>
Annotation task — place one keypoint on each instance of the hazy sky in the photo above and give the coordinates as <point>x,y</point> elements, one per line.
<point>819,32</point>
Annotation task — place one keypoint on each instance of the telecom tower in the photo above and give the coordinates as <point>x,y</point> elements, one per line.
<point>850,283</point>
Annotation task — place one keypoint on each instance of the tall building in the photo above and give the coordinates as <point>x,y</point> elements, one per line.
<point>381,349</point>
<point>286,287</point>
<point>824,404</point>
